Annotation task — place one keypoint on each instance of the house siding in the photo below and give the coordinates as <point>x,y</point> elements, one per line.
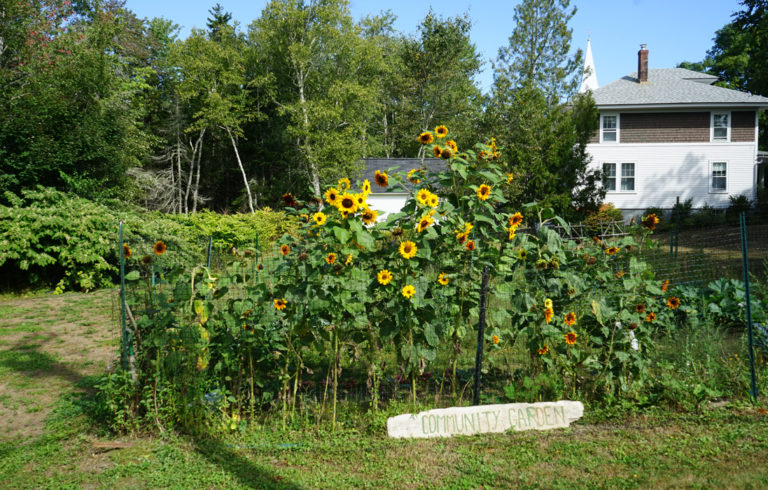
<point>659,127</point>
<point>665,171</point>
<point>742,126</point>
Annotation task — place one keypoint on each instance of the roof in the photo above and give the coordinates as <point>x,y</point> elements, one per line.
<point>672,87</point>
<point>401,164</point>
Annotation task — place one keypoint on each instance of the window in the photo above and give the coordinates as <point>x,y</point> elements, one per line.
<point>719,177</point>
<point>627,177</point>
<point>721,127</point>
<point>609,176</point>
<point>609,129</point>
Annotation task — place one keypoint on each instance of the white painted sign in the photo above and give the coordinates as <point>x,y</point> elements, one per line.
<point>446,422</point>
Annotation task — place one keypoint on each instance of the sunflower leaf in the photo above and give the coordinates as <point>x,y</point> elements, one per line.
<point>341,234</point>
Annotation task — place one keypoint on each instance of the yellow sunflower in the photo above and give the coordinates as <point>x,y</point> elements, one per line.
<point>495,339</point>
<point>159,247</point>
<point>330,258</point>
<point>443,279</point>
<point>433,201</point>
<point>408,250</point>
<point>381,179</point>
<point>413,176</point>
<point>285,249</point>
<point>424,223</point>
<point>516,219</point>
<point>384,277</point>
<point>452,145</point>
<point>426,138</point>
<point>548,314</point>
<point>436,151</point>
<point>344,184</point>
<point>361,201</point>
<point>470,246</point>
<point>347,203</point>
<point>126,251</point>
<point>423,195</point>
<point>570,337</point>
<point>547,303</point>
<point>408,291</point>
<point>280,303</point>
<point>543,350</point>
<point>512,232</point>
<point>441,131</point>
<point>612,250</point>
<point>570,319</point>
<point>319,218</point>
<point>366,187</point>
<point>349,260</point>
<point>331,196</point>
<point>446,153</point>
<point>510,178</point>
<point>484,192</point>
<point>369,216</point>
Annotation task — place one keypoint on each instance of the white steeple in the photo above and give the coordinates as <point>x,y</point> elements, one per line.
<point>589,76</point>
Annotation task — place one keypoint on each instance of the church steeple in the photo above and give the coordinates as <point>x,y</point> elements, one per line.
<point>589,76</point>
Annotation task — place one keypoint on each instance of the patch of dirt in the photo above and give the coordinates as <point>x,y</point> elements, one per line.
<point>67,337</point>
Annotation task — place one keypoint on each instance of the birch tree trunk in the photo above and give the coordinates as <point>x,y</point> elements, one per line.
<point>242,170</point>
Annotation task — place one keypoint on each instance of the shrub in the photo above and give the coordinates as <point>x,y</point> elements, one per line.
<point>595,222</point>
<point>739,204</point>
<point>681,212</point>
<point>707,216</point>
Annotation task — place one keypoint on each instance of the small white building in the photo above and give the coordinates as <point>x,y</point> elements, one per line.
<point>669,133</point>
<point>392,198</point>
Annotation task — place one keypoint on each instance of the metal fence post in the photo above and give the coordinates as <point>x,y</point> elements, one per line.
<point>123,314</point>
<point>210,249</point>
<point>750,336</point>
<point>480,335</point>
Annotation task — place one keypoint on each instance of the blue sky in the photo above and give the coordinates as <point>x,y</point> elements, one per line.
<point>674,30</point>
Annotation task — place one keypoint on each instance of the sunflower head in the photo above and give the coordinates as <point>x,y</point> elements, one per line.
<point>436,151</point>
<point>384,277</point>
<point>433,201</point>
<point>423,195</point>
<point>408,250</point>
<point>446,153</point>
<point>344,184</point>
<point>331,196</point>
<point>549,313</point>
<point>570,337</point>
<point>369,216</point>
<point>441,131</point>
<point>443,279</point>
<point>347,203</point>
<point>620,274</point>
<point>510,177</point>
<point>426,138</point>
<point>495,339</point>
<point>452,145</point>
<point>570,319</point>
<point>424,223</point>
<point>612,250</point>
<point>640,308</point>
<point>330,258</point>
<point>361,201</point>
<point>319,218</point>
<point>512,232</point>
<point>289,200</point>
<point>349,259</point>
<point>484,192</point>
<point>159,247</point>
<point>381,178</point>
<point>366,187</point>
<point>470,245</point>
<point>146,260</point>
<point>522,254</point>
<point>673,302</point>
<point>650,317</point>
<point>665,285</point>
<point>285,249</point>
<point>516,219</point>
<point>543,350</point>
<point>126,251</point>
<point>650,221</point>
<point>413,176</point>
<point>408,291</point>
<point>280,303</point>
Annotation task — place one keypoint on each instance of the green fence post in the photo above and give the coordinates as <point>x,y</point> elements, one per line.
<point>210,249</point>
<point>750,336</point>
<point>123,314</point>
<point>480,335</point>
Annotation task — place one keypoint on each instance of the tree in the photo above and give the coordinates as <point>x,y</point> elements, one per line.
<point>544,138</point>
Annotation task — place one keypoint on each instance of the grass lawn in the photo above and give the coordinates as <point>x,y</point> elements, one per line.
<point>52,346</point>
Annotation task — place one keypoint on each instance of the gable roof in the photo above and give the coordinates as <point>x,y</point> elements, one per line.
<point>672,87</point>
<point>402,164</point>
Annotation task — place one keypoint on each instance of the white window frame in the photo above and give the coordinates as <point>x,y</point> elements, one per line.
<point>618,126</point>
<point>712,127</point>
<point>620,175</point>
<point>710,177</point>
<point>605,176</point>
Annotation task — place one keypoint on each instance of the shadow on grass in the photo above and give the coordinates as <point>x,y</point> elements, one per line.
<point>26,359</point>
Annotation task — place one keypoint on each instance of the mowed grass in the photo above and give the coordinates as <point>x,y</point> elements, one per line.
<point>50,364</point>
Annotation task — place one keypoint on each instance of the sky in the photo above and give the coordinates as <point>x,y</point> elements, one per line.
<point>673,30</point>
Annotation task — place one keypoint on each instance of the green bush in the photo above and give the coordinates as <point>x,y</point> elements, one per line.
<point>607,213</point>
<point>739,204</point>
<point>707,216</point>
<point>49,238</point>
<point>682,211</point>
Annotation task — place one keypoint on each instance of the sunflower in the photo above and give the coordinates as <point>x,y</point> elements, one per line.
<point>665,285</point>
<point>612,250</point>
<point>547,303</point>
<point>620,274</point>
<point>289,200</point>
<point>369,216</point>
<point>483,155</point>
<point>570,319</point>
<point>543,350</point>
<point>331,196</point>
<point>344,213</point>
<point>424,223</point>
<point>408,291</point>
<point>330,258</point>
<point>413,176</point>
<point>446,153</point>
<point>436,151</point>
<point>461,236</point>
<point>632,326</point>
<point>159,247</point>
<point>650,221</point>
<point>522,254</point>
<point>510,178</point>
<point>673,303</point>
<point>423,195</point>
<point>381,179</point>
<point>126,251</point>
<point>146,260</point>
<point>433,201</point>
<point>408,250</point>
<point>452,145</point>
<point>484,192</point>
<point>285,249</point>
<point>516,219</point>
<point>640,308</point>
<point>347,202</point>
<point>319,218</point>
<point>548,314</point>
<point>628,248</point>
<point>495,339</point>
<point>360,199</point>
<point>650,317</point>
<point>426,138</point>
<point>366,187</point>
<point>570,337</point>
<point>512,232</point>
<point>384,277</point>
<point>443,279</point>
<point>349,260</point>
<point>441,131</point>
<point>344,184</point>
<point>470,246</point>
<point>280,303</point>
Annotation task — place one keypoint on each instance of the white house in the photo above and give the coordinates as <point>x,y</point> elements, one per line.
<point>669,133</point>
<point>392,198</point>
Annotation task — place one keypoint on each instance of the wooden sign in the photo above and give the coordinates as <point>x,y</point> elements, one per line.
<point>447,422</point>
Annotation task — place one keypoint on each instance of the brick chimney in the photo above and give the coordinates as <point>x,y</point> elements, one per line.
<point>642,64</point>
